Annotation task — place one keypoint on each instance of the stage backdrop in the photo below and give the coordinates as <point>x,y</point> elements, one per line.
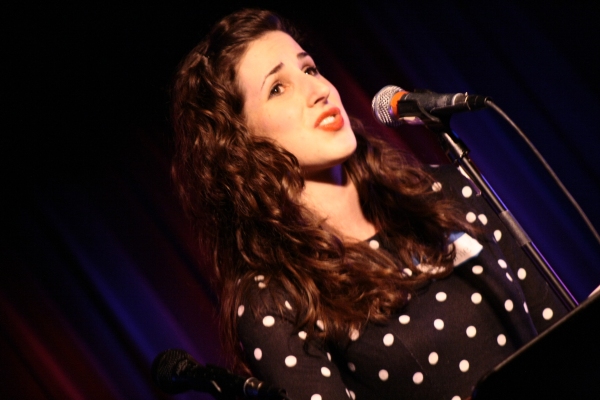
<point>99,269</point>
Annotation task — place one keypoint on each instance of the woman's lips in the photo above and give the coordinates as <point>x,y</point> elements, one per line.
<point>330,120</point>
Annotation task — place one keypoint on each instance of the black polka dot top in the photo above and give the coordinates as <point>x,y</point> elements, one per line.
<point>451,332</point>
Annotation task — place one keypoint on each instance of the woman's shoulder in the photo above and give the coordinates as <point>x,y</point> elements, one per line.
<point>454,183</point>
<point>266,295</point>
<point>449,174</point>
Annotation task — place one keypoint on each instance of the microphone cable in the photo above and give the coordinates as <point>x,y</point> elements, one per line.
<point>549,169</point>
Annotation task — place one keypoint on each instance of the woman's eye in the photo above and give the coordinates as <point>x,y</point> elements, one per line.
<point>311,71</point>
<point>276,90</point>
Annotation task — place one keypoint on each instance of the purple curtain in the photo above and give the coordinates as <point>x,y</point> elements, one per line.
<point>99,270</point>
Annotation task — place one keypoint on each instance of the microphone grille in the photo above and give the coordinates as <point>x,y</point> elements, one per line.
<point>168,368</point>
<point>382,108</point>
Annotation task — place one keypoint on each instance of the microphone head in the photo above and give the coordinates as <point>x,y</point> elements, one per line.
<point>382,107</point>
<point>170,369</point>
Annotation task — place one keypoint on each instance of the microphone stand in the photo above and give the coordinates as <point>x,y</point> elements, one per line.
<point>458,153</point>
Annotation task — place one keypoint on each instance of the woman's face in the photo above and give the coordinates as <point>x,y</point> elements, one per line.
<point>287,100</point>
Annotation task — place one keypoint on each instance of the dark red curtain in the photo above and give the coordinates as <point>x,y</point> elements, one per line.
<point>99,269</point>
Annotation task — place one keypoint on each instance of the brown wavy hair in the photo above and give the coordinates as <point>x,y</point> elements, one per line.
<point>242,194</point>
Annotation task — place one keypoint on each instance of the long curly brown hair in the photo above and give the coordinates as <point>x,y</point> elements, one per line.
<point>242,195</point>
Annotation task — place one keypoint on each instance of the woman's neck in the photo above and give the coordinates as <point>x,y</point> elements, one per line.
<point>331,195</point>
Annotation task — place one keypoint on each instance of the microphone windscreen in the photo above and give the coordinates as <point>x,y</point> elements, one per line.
<point>382,107</point>
<point>169,370</point>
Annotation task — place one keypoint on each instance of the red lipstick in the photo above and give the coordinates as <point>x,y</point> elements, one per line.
<point>330,120</point>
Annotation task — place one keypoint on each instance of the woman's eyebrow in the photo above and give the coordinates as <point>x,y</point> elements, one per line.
<point>271,72</point>
<point>276,69</point>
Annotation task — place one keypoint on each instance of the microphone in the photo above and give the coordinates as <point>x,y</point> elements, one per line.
<point>392,103</point>
<point>175,371</point>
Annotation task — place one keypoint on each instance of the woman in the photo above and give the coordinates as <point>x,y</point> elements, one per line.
<point>345,271</point>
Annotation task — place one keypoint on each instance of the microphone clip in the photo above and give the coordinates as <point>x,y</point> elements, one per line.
<point>413,108</point>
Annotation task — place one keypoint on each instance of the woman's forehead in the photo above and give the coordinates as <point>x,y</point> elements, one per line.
<point>270,47</point>
<point>265,56</point>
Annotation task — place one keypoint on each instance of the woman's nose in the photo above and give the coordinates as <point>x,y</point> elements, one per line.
<point>317,90</point>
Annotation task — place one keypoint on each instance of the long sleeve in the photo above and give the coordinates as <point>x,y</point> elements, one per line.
<point>277,354</point>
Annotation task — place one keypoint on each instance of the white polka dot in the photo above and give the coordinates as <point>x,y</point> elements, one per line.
<point>407,272</point>
<point>522,274</point>
<point>288,305</point>
<point>471,331</point>
<point>497,235</point>
<point>508,304</point>
<point>259,278</point>
<point>501,340</point>
<point>526,308</point>
<point>439,324</point>
<point>436,187</point>
<point>328,356</point>
<point>302,335</point>
<point>433,358</point>
<point>262,285</point>
<point>418,378</point>
<point>441,297</point>
<point>388,339</point>
<point>467,191</point>
<point>320,325</point>
<point>384,375</point>
<point>325,372</point>
<point>291,361</point>
<point>502,263</point>
<point>471,217</point>
<point>268,321</point>
<point>428,268</point>
<point>477,269</point>
<point>316,397</point>
<point>455,398</point>
<point>547,314</point>
<point>257,353</point>
<point>241,310</point>
<point>476,298</point>
<point>352,395</point>
<point>464,365</point>
<point>483,219</point>
<point>509,277</point>
<point>374,244</point>
<point>354,334</point>
<point>351,367</point>
<point>404,319</point>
